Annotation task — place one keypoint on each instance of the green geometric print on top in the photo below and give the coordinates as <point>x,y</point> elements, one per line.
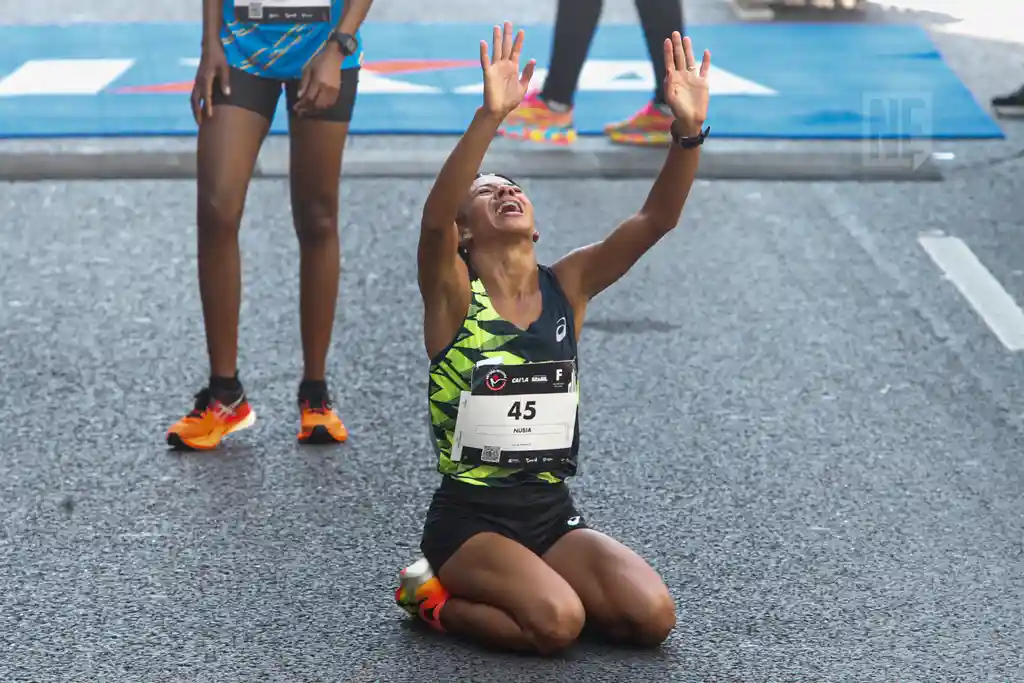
<point>484,334</point>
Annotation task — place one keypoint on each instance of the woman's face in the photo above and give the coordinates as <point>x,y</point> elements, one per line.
<point>497,206</point>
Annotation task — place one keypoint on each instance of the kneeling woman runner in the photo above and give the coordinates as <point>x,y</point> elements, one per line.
<point>516,565</point>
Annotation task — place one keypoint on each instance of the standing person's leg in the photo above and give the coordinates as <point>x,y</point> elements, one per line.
<point>651,125</point>
<point>317,148</point>
<point>228,145</point>
<point>546,115</point>
<point>575,25</point>
<point>659,19</point>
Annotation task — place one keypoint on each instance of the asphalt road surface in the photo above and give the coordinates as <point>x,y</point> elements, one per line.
<point>789,411</point>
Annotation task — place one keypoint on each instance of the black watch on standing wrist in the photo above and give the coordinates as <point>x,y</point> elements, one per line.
<point>346,42</point>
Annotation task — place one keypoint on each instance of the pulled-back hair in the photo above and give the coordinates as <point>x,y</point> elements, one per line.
<point>461,215</point>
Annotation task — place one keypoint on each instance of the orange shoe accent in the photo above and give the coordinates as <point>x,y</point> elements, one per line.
<point>432,597</point>
<point>426,602</point>
<point>209,422</point>
<point>534,121</point>
<point>648,127</point>
<point>320,425</point>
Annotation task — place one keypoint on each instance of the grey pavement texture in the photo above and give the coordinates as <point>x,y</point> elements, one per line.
<point>789,413</point>
<point>825,463</point>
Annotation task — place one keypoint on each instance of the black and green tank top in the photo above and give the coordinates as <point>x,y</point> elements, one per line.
<point>486,336</point>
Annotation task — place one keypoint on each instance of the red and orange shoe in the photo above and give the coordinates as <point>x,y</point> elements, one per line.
<point>534,121</point>
<point>651,126</point>
<point>319,424</point>
<point>209,422</point>
<point>421,594</point>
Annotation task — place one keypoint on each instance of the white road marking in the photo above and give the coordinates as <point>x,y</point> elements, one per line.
<point>982,290</point>
<point>370,82</point>
<point>63,76</point>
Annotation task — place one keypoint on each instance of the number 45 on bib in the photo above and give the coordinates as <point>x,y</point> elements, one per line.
<point>518,416</point>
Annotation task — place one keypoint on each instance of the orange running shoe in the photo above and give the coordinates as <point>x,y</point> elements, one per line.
<point>319,423</point>
<point>421,594</point>
<point>534,121</point>
<point>209,422</point>
<point>648,127</point>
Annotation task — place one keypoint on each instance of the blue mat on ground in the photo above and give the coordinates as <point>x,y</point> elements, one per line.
<point>768,81</point>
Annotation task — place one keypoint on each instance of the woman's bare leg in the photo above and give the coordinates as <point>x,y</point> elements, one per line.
<point>623,596</point>
<point>505,596</point>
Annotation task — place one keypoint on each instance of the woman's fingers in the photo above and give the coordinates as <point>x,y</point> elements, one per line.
<point>505,45</point>
<point>485,59</point>
<point>678,55</point>
<point>506,41</point>
<point>670,59</point>
<point>691,63</point>
<point>524,80</point>
<point>517,46</point>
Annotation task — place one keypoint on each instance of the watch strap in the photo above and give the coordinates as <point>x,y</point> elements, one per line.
<point>343,40</point>
<point>689,141</point>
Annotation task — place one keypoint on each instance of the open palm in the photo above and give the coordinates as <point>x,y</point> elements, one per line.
<point>686,84</point>
<point>504,86</point>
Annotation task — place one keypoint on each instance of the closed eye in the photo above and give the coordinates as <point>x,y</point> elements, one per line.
<point>489,189</point>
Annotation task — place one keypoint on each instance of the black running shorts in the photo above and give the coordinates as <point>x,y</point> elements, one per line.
<point>261,95</point>
<point>534,515</point>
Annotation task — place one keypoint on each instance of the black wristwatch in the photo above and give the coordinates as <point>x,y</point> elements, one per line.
<point>689,142</point>
<point>347,42</point>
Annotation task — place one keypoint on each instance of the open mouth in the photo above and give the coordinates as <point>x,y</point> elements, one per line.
<point>510,207</point>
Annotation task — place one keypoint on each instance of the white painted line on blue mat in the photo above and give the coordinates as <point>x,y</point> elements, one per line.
<point>63,76</point>
<point>982,290</point>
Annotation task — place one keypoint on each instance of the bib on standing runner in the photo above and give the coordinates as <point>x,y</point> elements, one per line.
<point>518,416</point>
<point>283,11</point>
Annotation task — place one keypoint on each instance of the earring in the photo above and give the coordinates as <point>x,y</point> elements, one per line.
<point>536,236</point>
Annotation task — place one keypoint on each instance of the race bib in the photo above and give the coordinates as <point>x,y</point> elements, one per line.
<point>283,11</point>
<point>518,416</point>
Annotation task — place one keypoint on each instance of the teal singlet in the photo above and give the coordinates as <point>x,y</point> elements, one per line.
<point>277,38</point>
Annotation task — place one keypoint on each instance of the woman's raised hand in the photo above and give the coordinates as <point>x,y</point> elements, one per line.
<point>504,85</point>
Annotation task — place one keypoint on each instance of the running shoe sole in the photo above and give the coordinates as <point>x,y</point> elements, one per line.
<point>320,437</point>
<point>1009,110</point>
<point>640,139</point>
<point>522,134</point>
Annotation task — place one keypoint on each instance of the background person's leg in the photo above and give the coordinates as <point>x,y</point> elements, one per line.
<point>575,25</point>
<point>546,116</point>
<point>317,149</point>
<point>228,146</point>
<point>316,156</point>
<point>658,19</point>
<point>651,125</point>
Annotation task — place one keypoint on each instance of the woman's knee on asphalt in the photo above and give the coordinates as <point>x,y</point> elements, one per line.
<point>552,621</point>
<point>649,616</point>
